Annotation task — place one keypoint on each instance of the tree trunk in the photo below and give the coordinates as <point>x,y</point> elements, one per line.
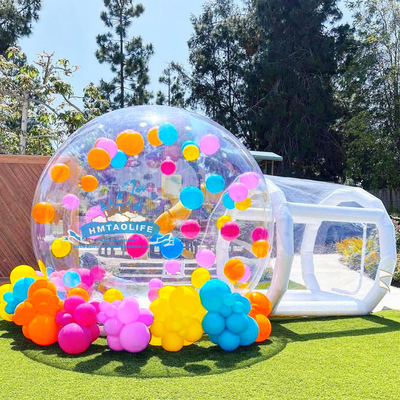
<point>121,71</point>
<point>24,123</point>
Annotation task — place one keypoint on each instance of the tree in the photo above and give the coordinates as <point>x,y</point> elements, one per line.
<point>16,19</point>
<point>290,98</point>
<point>371,87</point>
<point>175,96</point>
<point>38,109</point>
<point>128,59</point>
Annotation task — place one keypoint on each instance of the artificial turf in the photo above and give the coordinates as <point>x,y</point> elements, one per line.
<point>328,358</point>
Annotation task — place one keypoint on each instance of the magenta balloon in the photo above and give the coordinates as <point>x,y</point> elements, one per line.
<point>205,258</point>
<point>85,314</point>
<point>109,146</point>
<point>146,317</point>
<point>190,229</point>
<point>250,179</point>
<point>209,144</point>
<point>153,294</point>
<point>114,343</point>
<point>260,233</point>
<point>137,245</point>
<point>70,202</point>
<point>113,326</point>
<point>172,266</point>
<point>238,192</point>
<point>128,310</point>
<point>134,337</point>
<point>94,331</point>
<point>230,231</point>
<point>86,277</point>
<point>71,303</point>
<point>74,338</point>
<point>168,167</point>
<point>97,272</point>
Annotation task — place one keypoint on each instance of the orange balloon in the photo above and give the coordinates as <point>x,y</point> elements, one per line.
<point>260,304</point>
<point>152,137</point>
<point>260,248</point>
<point>60,173</point>
<point>89,183</point>
<point>79,292</point>
<point>98,158</point>
<point>43,212</point>
<point>234,269</point>
<point>24,313</point>
<point>264,327</point>
<point>130,142</point>
<point>43,330</point>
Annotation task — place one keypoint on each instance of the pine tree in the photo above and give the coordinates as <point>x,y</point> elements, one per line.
<point>171,78</point>
<point>128,58</point>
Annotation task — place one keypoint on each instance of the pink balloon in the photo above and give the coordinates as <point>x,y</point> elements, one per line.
<point>209,144</point>
<point>96,305</point>
<point>74,338</point>
<point>72,302</point>
<point>114,343</point>
<point>250,179</point>
<point>238,192</point>
<point>146,317</point>
<point>205,258</point>
<point>247,274</point>
<point>101,317</point>
<point>70,202</point>
<point>260,233</point>
<point>86,277</point>
<point>172,266</point>
<point>113,326</point>
<point>109,146</point>
<point>137,245</point>
<point>156,283</point>
<point>168,167</point>
<point>92,213</point>
<point>230,231</point>
<point>134,337</point>
<point>85,314</point>
<point>94,331</point>
<point>97,272</point>
<point>98,140</point>
<point>63,318</point>
<point>153,294</point>
<point>190,229</point>
<point>128,310</point>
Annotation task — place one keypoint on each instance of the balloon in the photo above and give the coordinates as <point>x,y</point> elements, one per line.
<point>205,258</point>
<point>60,173</point>
<point>212,294</point>
<point>221,221</point>
<point>243,205</point>
<point>209,144</point>
<point>152,137</point>
<point>71,279</point>
<point>234,269</point>
<point>168,167</point>
<point>70,202</point>
<point>172,249</point>
<point>22,271</point>
<point>60,248</point>
<point>130,142</point>
<point>260,304</point>
<point>98,159</point>
<point>134,337</point>
<point>230,231</point>
<point>79,292</point>
<point>191,152</point>
<point>190,229</point>
<point>187,143</point>
<point>112,294</point>
<point>250,335</point>
<point>145,316</point>
<point>97,272</point>
<point>246,275</point>
<point>172,266</point>
<point>109,146</point>
<point>228,340</point>
<point>89,183</point>
<point>128,310</point>
<point>85,314</point>
<point>191,197</point>
<point>264,328</point>
<point>156,283</point>
<point>137,245</point>
<point>167,133</point>
<point>250,179</point>
<point>260,248</point>
<point>237,322</point>
<point>73,339</point>
<point>213,323</point>
<point>43,212</point>
<point>228,202</point>
<point>199,277</point>
<point>119,160</point>
<point>215,183</point>
<point>260,233</point>
<point>238,192</point>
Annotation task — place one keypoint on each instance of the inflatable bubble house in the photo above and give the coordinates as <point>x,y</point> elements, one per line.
<point>151,192</point>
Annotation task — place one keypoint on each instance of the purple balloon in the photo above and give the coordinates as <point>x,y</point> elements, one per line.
<point>70,202</point>
<point>134,337</point>
<point>146,316</point>
<point>128,310</point>
<point>114,343</point>
<point>113,326</point>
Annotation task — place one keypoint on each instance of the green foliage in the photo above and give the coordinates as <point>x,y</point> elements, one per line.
<point>128,59</point>
<point>176,90</point>
<point>16,19</point>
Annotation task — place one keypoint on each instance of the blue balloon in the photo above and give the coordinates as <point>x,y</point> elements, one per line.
<point>213,339</point>
<point>167,133</point>
<point>119,161</point>
<point>187,143</point>
<point>225,310</point>
<point>237,322</point>
<point>212,294</point>
<point>213,323</point>
<point>20,289</point>
<point>191,197</point>
<point>71,279</point>
<point>228,202</point>
<point>215,183</point>
<point>245,302</point>
<point>172,249</point>
<point>249,336</point>
<point>228,341</point>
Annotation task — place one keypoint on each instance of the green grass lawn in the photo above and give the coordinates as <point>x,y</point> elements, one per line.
<point>329,358</point>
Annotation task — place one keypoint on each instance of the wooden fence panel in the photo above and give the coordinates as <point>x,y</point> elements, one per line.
<point>18,178</point>
<point>390,198</point>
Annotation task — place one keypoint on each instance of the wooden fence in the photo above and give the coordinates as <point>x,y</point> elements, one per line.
<point>18,178</point>
<point>390,198</point>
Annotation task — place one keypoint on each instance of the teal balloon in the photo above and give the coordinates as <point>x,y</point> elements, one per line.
<point>21,287</point>
<point>249,336</point>
<point>228,340</point>
<point>71,279</point>
<point>215,183</point>
<point>228,202</point>
<point>213,323</point>
<point>191,197</point>
<point>167,133</point>
<point>237,322</point>
<point>212,294</point>
<point>119,161</point>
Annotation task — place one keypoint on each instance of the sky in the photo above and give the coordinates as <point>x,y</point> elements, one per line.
<point>69,28</point>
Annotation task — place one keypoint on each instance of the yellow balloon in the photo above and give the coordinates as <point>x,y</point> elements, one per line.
<point>61,247</point>
<point>199,277</point>
<point>159,307</point>
<point>4,289</point>
<point>221,221</point>
<point>172,342</point>
<point>157,329</point>
<point>112,294</point>
<point>243,205</point>
<point>184,300</point>
<point>194,332</point>
<point>22,271</point>
<point>200,313</point>
<point>165,292</point>
<point>155,341</point>
<point>3,313</point>
<point>42,268</point>
<point>191,152</point>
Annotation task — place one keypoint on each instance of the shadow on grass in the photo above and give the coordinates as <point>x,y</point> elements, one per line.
<point>201,358</point>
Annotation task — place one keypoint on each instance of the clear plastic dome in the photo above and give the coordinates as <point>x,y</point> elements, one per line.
<point>152,192</point>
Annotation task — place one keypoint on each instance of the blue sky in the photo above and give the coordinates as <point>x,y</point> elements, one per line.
<point>69,28</point>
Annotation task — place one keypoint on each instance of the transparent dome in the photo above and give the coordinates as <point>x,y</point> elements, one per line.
<point>152,192</point>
